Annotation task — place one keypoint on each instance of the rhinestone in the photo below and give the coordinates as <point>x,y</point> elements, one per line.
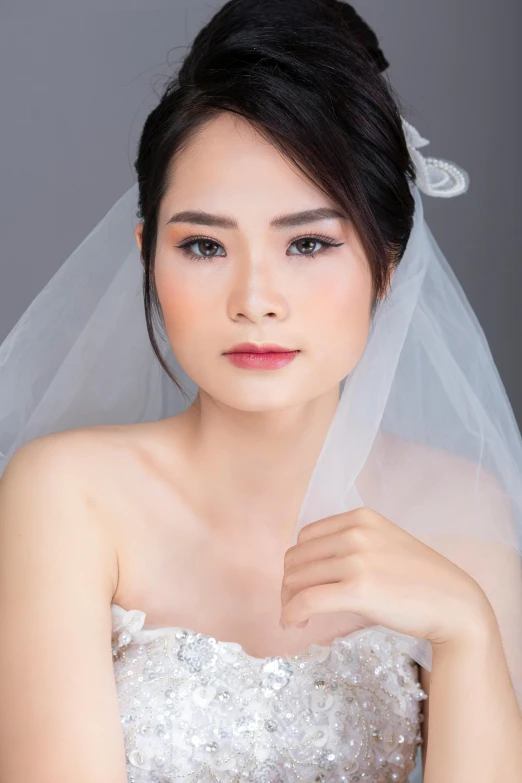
<point>203,695</point>
<point>321,701</point>
<point>197,652</point>
<point>163,682</point>
<point>135,758</point>
<point>124,638</point>
<point>277,674</point>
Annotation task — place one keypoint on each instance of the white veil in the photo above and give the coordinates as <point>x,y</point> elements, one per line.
<point>424,411</point>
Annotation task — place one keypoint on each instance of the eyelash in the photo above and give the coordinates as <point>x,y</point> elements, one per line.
<point>327,241</point>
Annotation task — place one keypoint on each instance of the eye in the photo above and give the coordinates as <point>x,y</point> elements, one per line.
<point>205,242</point>
<point>327,243</point>
<point>208,245</point>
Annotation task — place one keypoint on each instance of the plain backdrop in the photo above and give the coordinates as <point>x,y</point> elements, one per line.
<point>78,78</point>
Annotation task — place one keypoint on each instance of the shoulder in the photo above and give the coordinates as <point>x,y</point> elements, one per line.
<point>61,484</point>
<point>104,472</point>
<point>435,481</point>
<point>58,570</point>
<point>77,457</point>
<point>87,455</point>
<point>462,509</point>
<point>457,506</point>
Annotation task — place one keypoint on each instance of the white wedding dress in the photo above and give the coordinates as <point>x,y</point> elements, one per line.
<point>197,709</point>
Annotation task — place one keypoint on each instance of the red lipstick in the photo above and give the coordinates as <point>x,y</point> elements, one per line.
<point>265,356</point>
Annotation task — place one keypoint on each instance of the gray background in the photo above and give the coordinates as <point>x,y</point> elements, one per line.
<point>78,78</point>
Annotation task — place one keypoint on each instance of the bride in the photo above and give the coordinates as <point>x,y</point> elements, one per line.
<point>309,568</point>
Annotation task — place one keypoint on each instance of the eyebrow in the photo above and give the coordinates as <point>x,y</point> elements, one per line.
<point>282,221</point>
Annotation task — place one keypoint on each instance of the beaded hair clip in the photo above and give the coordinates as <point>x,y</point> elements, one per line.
<point>434,176</point>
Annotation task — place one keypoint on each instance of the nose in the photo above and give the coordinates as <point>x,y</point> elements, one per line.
<point>256,293</point>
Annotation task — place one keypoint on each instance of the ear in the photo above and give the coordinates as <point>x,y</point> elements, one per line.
<point>138,231</point>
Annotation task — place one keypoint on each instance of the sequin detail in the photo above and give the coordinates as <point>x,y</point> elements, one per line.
<point>197,709</point>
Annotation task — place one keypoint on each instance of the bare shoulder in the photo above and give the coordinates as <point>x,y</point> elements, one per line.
<point>462,509</point>
<point>455,505</point>
<point>92,457</point>
<point>58,571</point>
<point>59,474</point>
<point>105,471</point>
<point>72,474</point>
<point>439,480</point>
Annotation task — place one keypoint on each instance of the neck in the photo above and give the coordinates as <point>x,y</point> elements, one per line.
<point>254,467</point>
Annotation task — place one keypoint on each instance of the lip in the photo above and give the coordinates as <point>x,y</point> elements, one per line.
<point>267,356</point>
<point>262,348</point>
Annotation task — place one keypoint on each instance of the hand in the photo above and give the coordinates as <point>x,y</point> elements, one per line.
<point>359,561</point>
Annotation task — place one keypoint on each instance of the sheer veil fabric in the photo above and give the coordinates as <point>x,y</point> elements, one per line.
<point>423,433</point>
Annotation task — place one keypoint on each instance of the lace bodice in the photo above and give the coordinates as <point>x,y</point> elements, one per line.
<point>197,709</point>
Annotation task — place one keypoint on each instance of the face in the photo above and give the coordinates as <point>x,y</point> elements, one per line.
<point>242,274</point>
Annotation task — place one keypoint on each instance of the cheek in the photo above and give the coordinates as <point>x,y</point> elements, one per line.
<point>186,309</point>
<point>340,313</point>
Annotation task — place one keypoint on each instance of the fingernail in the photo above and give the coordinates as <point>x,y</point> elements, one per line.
<point>302,624</point>
<point>282,624</point>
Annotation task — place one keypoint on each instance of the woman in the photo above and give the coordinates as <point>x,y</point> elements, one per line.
<point>284,254</point>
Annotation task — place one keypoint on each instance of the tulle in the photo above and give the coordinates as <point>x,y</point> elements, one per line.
<point>425,418</point>
<point>424,432</point>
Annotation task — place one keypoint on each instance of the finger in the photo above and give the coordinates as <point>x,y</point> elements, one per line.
<point>321,599</point>
<point>334,523</point>
<point>330,545</point>
<point>317,572</point>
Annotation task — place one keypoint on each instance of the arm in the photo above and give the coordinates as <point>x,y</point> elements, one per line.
<point>59,717</point>
<point>472,714</point>
<point>473,719</point>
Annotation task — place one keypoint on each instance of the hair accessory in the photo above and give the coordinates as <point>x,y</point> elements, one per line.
<point>423,433</point>
<point>435,176</point>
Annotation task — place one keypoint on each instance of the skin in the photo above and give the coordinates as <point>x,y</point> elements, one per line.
<point>256,430</point>
<point>190,518</point>
<point>246,425</point>
<point>251,438</point>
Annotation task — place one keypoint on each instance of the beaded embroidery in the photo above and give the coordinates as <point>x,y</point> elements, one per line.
<point>197,709</point>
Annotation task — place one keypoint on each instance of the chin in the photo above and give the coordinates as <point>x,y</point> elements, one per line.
<point>261,398</point>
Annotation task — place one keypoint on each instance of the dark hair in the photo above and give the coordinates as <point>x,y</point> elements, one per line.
<point>308,74</point>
